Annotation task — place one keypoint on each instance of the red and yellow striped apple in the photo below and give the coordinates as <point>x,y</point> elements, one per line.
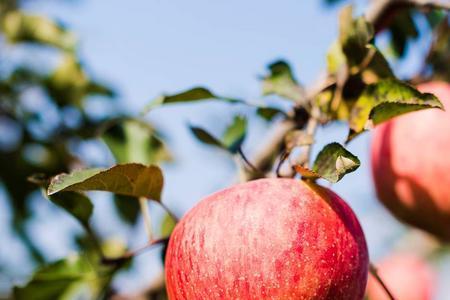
<point>406,275</point>
<point>268,239</point>
<point>411,165</point>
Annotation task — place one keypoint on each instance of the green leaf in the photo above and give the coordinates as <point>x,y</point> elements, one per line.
<point>69,83</point>
<point>334,161</point>
<point>355,51</point>
<point>70,278</point>
<point>135,141</point>
<point>438,57</point>
<point>205,137</point>
<point>335,58</point>
<point>281,81</point>
<point>402,29</point>
<point>191,95</point>
<point>19,27</point>
<point>99,89</point>
<point>378,68</point>
<point>114,248</point>
<point>76,204</point>
<point>232,138</point>
<point>167,225</point>
<point>332,2</point>
<point>384,100</point>
<point>132,179</point>
<point>354,35</point>
<point>235,134</point>
<point>127,208</point>
<point>269,113</point>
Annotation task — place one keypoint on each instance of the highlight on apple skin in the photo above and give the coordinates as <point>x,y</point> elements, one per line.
<point>411,163</point>
<point>268,239</point>
<point>406,275</point>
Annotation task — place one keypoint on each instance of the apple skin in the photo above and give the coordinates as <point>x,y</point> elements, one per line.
<point>411,165</point>
<point>406,275</point>
<point>268,239</point>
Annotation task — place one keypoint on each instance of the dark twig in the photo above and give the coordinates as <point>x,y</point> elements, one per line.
<point>130,254</point>
<point>247,161</point>
<point>169,212</point>
<point>374,272</point>
<point>93,237</point>
<point>379,13</point>
<point>284,155</point>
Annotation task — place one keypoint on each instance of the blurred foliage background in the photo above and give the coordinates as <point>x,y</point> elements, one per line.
<point>46,113</point>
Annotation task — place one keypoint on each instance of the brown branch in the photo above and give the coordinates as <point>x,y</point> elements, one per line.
<point>273,145</point>
<point>374,272</point>
<point>130,254</point>
<point>378,12</point>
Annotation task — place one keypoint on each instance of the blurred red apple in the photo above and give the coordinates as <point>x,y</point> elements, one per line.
<point>407,276</point>
<point>411,165</point>
<point>268,239</point>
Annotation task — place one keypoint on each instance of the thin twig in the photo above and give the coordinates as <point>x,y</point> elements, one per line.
<point>93,238</point>
<point>375,14</point>
<point>273,143</point>
<point>247,161</point>
<point>284,155</point>
<point>143,202</point>
<point>374,272</point>
<point>169,212</point>
<point>133,253</point>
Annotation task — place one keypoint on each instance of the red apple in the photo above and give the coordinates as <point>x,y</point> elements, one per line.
<point>407,276</point>
<point>268,239</point>
<point>411,165</point>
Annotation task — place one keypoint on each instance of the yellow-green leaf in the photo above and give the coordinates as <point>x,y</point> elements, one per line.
<point>354,35</point>
<point>20,27</point>
<point>167,225</point>
<point>384,100</point>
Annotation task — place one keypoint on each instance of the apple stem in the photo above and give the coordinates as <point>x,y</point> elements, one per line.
<point>283,156</point>
<point>143,202</point>
<point>310,130</point>
<point>374,272</point>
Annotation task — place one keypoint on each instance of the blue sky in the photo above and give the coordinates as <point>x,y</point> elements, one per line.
<point>147,47</point>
